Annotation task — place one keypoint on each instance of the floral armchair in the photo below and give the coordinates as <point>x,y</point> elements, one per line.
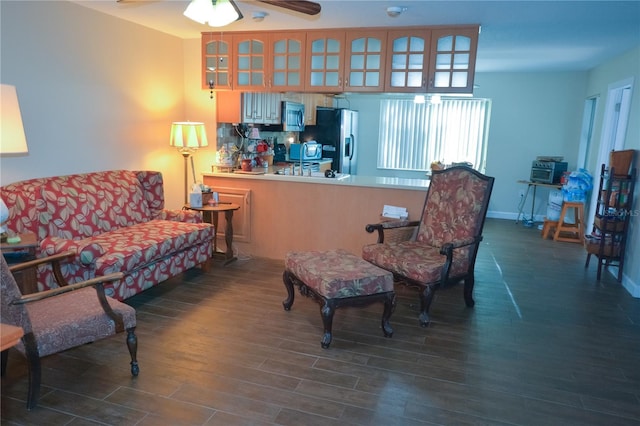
<point>443,249</point>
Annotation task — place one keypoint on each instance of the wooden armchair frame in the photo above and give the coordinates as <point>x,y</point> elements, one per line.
<point>15,311</point>
<point>448,249</point>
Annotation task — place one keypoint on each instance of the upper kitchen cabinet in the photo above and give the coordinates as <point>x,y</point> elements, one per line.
<point>261,108</point>
<point>365,61</point>
<point>407,60</point>
<point>287,61</point>
<point>250,61</point>
<point>216,61</point>
<point>453,59</point>
<point>325,61</point>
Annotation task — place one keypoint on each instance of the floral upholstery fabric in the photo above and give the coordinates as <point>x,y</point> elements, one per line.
<point>338,274</point>
<point>101,216</point>
<point>80,206</point>
<point>452,213</point>
<point>61,322</point>
<point>453,208</point>
<point>415,260</point>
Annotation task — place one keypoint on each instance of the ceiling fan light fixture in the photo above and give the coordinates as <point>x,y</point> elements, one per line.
<point>216,13</point>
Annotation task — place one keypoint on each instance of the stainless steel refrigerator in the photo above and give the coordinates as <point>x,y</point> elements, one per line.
<point>337,130</point>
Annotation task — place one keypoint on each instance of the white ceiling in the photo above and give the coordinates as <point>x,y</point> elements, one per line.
<point>516,35</point>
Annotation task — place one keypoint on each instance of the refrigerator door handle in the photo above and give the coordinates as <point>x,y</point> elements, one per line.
<point>352,146</point>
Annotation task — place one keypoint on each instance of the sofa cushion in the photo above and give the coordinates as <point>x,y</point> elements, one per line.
<point>139,245</point>
<point>86,205</point>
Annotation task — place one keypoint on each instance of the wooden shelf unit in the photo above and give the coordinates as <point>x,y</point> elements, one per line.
<point>611,221</point>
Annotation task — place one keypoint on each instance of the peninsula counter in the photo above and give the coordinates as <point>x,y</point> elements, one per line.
<point>281,213</point>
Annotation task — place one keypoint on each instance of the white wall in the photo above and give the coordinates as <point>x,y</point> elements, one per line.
<point>95,93</point>
<point>621,68</point>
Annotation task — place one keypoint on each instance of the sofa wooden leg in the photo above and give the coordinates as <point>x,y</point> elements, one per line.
<point>206,265</point>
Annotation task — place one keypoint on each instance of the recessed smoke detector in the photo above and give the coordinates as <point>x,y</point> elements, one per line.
<point>394,11</point>
<point>259,16</point>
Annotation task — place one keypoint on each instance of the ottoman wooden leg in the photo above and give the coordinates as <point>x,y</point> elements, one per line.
<point>327,311</point>
<point>287,278</point>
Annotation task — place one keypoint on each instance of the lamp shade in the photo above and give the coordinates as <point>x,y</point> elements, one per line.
<point>188,136</point>
<point>12,138</point>
<point>217,13</point>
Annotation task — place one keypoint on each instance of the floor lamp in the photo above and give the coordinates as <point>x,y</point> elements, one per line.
<point>12,139</point>
<point>187,136</point>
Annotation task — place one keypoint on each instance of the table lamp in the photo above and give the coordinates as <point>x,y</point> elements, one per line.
<point>187,136</point>
<point>12,139</point>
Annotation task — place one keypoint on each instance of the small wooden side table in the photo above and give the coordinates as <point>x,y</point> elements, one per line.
<point>21,252</point>
<point>210,214</point>
<point>10,335</point>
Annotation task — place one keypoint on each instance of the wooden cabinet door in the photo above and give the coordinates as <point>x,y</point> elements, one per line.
<point>325,61</point>
<point>287,61</point>
<point>241,217</point>
<point>453,59</point>
<point>311,101</point>
<point>365,61</point>
<point>250,64</point>
<point>216,61</point>
<point>272,108</point>
<point>261,108</point>
<point>407,60</point>
<point>252,107</point>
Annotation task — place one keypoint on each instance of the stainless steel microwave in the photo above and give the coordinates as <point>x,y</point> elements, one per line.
<point>292,117</point>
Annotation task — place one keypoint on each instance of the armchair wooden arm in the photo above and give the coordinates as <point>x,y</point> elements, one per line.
<point>54,260</point>
<point>408,226</point>
<point>65,287</point>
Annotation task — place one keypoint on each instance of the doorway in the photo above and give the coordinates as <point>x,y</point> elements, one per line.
<point>614,129</point>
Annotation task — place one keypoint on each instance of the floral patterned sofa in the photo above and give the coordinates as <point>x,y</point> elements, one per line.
<point>115,221</point>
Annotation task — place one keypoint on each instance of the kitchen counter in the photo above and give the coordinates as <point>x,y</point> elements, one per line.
<point>282,213</point>
<point>350,180</point>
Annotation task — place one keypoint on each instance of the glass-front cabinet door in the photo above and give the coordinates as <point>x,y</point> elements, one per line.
<point>407,60</point>
<point>365,61</point>
<point>453,59</point>
<point>216,54</point>
<point>325,64</point>
<point>287,61</point>
<point>250,62</point>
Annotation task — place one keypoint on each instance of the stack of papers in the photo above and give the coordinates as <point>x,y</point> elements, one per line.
<point>394,212</point>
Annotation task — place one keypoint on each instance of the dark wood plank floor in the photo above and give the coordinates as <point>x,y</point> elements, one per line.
<point>546,344</point>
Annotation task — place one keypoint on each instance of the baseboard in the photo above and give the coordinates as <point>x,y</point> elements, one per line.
<point>512,216</point>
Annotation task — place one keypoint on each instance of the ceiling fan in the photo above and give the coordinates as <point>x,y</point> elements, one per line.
<point>300,6</point>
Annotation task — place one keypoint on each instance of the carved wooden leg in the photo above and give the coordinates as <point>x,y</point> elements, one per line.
<point>288,284</point>
<point>35,370</point>
<point>132,344</point>
<point>327,311</point>
<point>389,307</point>
<point>469,282</point>
<point>426,297</point>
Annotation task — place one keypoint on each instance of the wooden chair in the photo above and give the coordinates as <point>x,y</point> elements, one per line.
<point>61,318</point>
<point>444,248</point>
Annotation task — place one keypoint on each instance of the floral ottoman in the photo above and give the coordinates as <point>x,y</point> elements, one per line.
<point>337,278</point>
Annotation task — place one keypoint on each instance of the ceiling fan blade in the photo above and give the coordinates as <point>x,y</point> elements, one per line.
<point>302,6</point>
